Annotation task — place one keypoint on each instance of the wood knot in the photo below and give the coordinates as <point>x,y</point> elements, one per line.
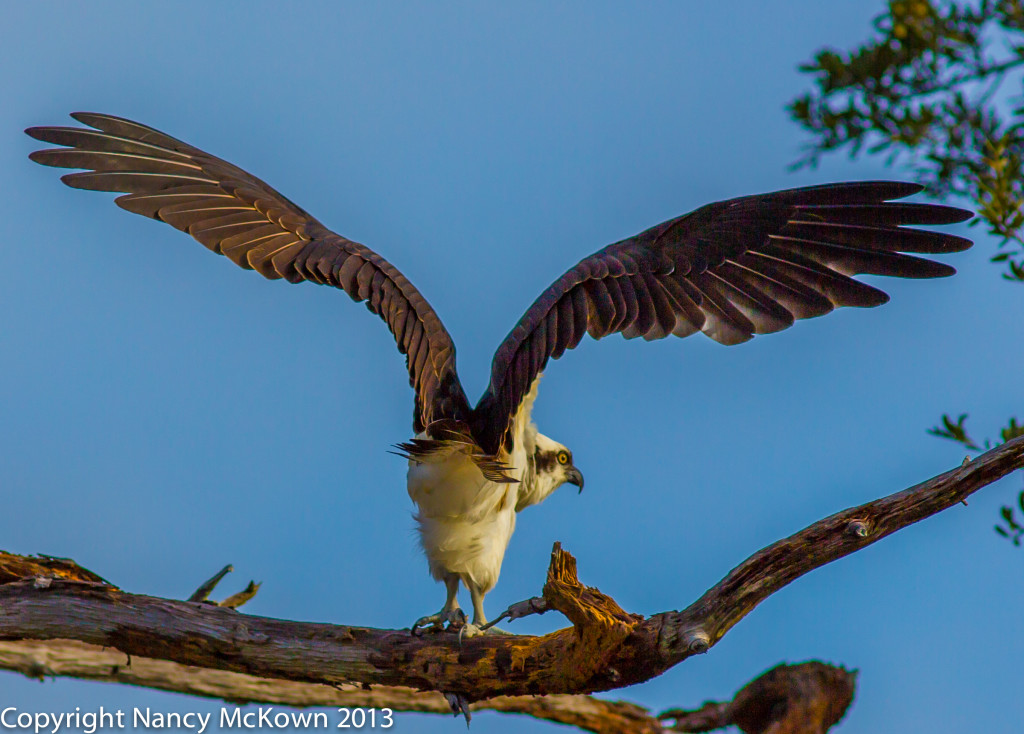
<point>698,642</point>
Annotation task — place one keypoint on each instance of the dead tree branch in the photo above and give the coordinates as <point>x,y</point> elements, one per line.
<point>704,622</point>
<point>809,698</point>
<point>42,659</point>
<point>606,647</point>
<point>15,568</point>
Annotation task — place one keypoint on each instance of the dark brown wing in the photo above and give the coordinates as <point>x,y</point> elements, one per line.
<point>732,270</point>
<point>236,214</point>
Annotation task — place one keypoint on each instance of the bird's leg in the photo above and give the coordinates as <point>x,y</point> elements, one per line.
<point>478,605</point>
<point>450,612</point>
<point>479,626</point>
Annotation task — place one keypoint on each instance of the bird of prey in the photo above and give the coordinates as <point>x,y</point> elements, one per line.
<point>732,269</point>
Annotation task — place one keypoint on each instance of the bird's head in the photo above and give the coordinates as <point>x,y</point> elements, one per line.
<point>552,467</point>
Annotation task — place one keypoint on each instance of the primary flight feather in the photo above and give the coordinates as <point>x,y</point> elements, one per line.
<point>731,270</point>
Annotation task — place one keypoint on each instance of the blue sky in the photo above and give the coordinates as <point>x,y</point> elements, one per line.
<point>166,413</point>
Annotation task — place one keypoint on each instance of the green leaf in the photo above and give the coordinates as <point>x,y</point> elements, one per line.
<point>954,431</point>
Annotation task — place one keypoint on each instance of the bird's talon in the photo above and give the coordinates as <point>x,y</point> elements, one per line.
<point>471,630</point>
<point>454,618</point>
<point>459,705</point>
<point>431,621</point>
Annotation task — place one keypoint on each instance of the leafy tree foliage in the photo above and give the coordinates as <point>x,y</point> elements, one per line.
<point>957,431</point>
<point>937,88</point>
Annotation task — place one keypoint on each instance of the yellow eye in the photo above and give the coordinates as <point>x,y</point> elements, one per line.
<point>563,457</point>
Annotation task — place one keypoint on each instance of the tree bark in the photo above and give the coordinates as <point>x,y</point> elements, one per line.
<point>606,647</point>
<point>42,659</point>
<point>809,698</point>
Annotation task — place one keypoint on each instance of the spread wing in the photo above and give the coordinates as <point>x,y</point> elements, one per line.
<point>732,270</point>
<point>237,215</point>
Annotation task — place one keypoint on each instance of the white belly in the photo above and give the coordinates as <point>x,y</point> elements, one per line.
<point>465,521</point>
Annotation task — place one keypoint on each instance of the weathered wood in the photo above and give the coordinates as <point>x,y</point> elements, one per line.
<point>808,698</point>
<point>706,621</point>
<point>810,695</point>
<point>13,567</point>
<point>207,636</point>
<point>68,658</point>
<point>605,649</point>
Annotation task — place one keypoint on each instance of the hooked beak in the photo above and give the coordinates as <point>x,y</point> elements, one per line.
<point>575,477</point>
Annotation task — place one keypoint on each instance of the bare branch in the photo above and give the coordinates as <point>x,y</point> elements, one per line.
<point>606,647</point>
<point>705,621</point>
<point>206,588</point>
<point>788,699</point>
<point>67,658</point>
<point>232,602</point>
<point>810,695</point>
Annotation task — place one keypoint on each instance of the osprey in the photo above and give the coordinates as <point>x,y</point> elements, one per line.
<point>732,269</point>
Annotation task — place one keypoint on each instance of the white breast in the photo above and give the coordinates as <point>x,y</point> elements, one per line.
<point>465,521</point>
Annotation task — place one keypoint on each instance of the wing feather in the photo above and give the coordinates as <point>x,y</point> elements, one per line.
<point>600,306</point>
<point>733,269</point>
<point>566,326</point>
<point>237,215</point>
<point>580,314</point>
